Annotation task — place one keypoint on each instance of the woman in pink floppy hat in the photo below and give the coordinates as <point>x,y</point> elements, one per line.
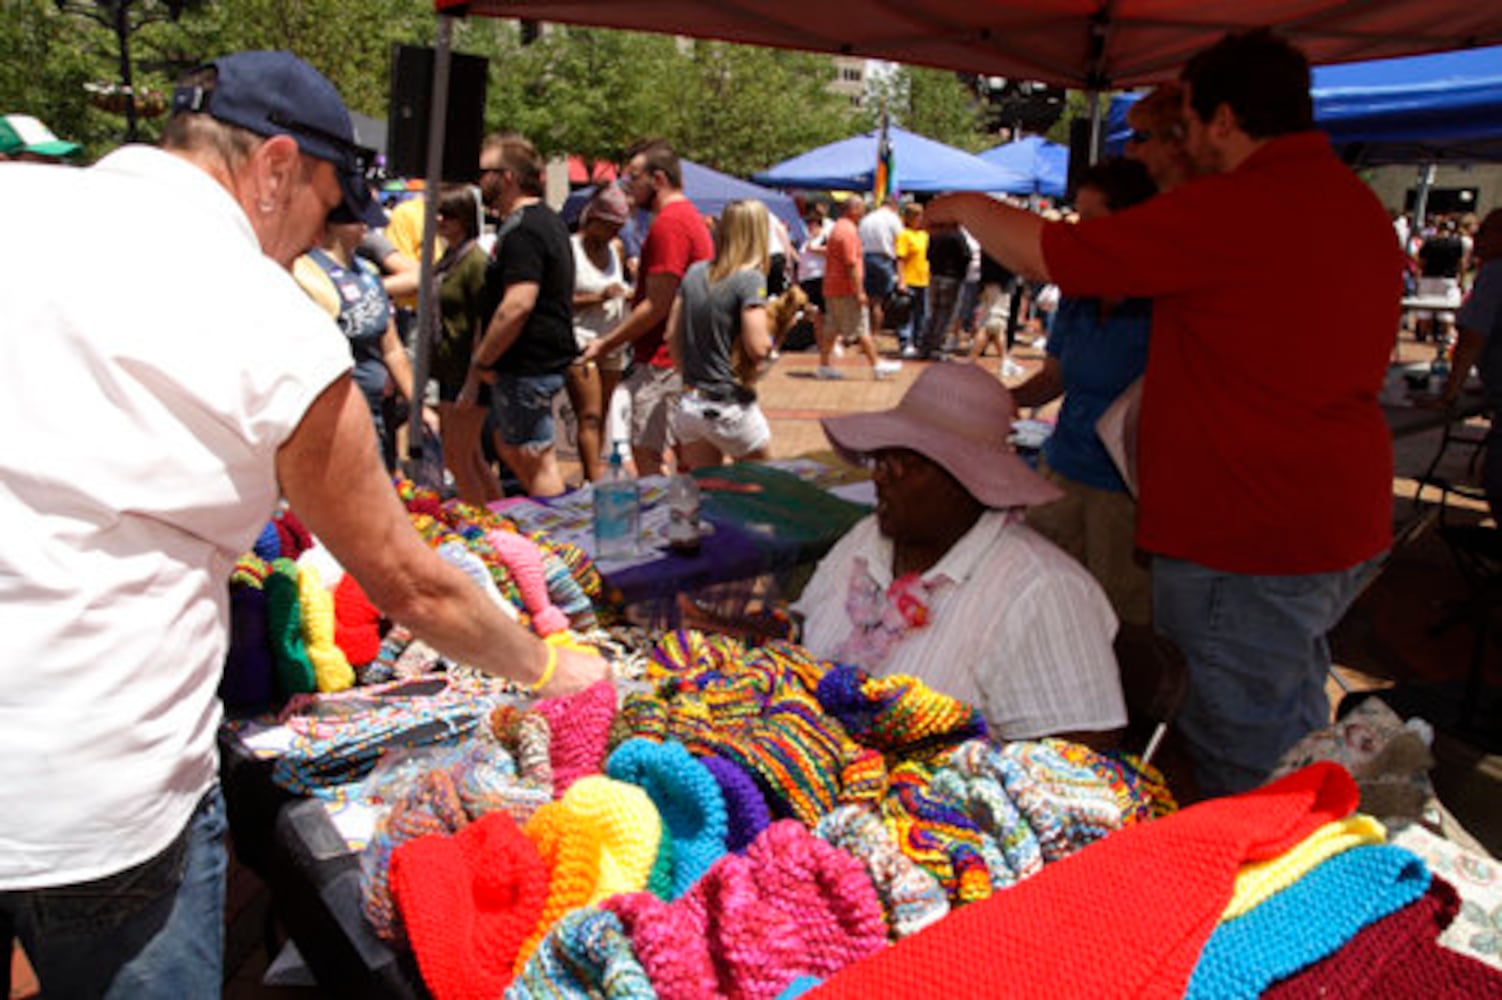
<point>945,582</point>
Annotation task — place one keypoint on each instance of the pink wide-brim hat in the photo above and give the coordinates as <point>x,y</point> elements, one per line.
<point>960,417</point>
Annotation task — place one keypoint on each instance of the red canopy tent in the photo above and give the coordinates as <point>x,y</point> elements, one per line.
<point>1086,44</point>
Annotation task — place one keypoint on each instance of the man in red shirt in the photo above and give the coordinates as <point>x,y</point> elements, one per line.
<point>845,295</point>
<point>653,179</point>
<point>1266,490</point>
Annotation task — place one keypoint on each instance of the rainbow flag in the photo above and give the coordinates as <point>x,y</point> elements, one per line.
<point>885,185</point>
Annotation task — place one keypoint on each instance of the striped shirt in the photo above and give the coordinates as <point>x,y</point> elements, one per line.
<point>1023,633</point>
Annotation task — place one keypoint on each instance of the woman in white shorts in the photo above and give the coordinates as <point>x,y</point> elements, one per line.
<point>719,338</point>
<point>600,294</point>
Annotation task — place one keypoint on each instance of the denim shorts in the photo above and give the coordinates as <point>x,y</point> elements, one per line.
<point>522,406</point>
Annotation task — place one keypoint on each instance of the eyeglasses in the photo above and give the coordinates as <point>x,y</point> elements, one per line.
<point>892,463</point>
<point>1140,135</point>
<point>491,170</point>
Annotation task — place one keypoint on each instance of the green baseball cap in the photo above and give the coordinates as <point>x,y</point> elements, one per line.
<point>25,134</point>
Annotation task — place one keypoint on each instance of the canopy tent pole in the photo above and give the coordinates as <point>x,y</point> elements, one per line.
<point>427,301</point>
<point>1421,196</point>
<point>1097,125</point>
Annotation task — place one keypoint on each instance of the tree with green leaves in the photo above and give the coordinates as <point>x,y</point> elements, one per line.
<point>931,102</point>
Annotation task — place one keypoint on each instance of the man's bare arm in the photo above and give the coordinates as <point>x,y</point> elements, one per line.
<point>331,473</point>
<point>1013,237</point>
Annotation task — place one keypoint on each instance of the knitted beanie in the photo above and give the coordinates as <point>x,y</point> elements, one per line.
<point>331,670</point>
<point>1068,806</point>
<point>934,831</point>
<point>586,955</point>
<point>746,813</point>
<point>911,897</point>
<point>1398,957</point>
<point>296,539</point>
<point>687,798</point>
<point>294,671</point>
<point>898,714</point>
<point>1307,921</point>
<point>792,905</point>
<point>1258,881</point>
<point>455,554</point>
<point>357,623</point>
<point>486,775</point>
<point>1139,906</point>
<point>580,725</point>
<point>524,561</point>
<point>432,806</point>
<point>972,781</point>
<point>600,839</point>
<point>468,901</point>
<point>1141,790</point>
<point>247,684</point>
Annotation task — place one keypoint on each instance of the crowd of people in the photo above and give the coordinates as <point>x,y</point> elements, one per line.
<point>1263,497</point>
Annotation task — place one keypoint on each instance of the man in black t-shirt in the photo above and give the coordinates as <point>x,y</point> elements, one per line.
<point>529,337</point>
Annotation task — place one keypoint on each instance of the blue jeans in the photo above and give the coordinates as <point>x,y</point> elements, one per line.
<point>913,325</point>
<point>154,930</point>
<point>1258,656</point>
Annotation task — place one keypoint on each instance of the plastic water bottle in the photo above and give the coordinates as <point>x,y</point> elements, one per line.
<point>683,515</point>
<point>617,510</point>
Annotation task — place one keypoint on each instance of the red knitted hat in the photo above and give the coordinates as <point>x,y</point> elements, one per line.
<point>1139,906</point>
<point>468,902</point>
<point>357,623</point>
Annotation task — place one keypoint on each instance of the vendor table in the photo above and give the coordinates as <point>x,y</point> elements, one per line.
<point>757,519</point>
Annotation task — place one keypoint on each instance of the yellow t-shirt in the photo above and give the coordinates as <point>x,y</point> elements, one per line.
<point>404,230</point>
<point>912,256</point>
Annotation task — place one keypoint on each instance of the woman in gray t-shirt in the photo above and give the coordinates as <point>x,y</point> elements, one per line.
<point>719,338</point>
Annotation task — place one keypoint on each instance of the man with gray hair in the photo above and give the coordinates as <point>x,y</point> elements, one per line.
<point>166,406</point>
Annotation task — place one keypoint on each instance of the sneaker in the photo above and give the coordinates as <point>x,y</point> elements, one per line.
<point>827,373</point>
<point>886,369</point>
<point>909,351</point>
<point>1011,369</point>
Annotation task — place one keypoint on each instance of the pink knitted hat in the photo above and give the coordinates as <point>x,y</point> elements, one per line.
<point>524,560</point>
<point>581,731</point>
<point>468,902</point>
<point>793,905</point>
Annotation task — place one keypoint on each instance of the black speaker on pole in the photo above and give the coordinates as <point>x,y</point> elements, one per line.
<point>1079,153</point>
<point>412,110</point>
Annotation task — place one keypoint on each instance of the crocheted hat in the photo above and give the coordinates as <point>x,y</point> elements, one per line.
<point>580,725</point>
<point>687,798</point>
<point>911,897</point>
<point>520,740</point>
<point>936,832</point>
<point>792,905</point>
<point>331,670</point>
<point>1068,806</point>
<point>1140,904</point>
<point>973,782</point>
<point>524,560</point>
<point>357,623</point>
<point>468,901</point>
<point>294,671</point>
<point>433,806</point>
<point>746,813</point>
<point>897,714</point>
<point>600,839</point>
<point>586,954</point>
<point>247,683</point>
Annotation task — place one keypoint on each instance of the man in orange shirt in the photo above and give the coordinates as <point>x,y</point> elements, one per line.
<point>845,295</point>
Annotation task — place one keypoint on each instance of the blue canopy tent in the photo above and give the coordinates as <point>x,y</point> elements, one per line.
<point>922,165</point>
<point>1418,109</point>
<point>711,191</point>
<point>1045,164</point>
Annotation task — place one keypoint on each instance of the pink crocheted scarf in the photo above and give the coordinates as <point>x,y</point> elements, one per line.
<point>880,619</point>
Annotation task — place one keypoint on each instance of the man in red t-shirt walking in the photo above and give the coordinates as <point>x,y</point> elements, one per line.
<point>845,296</point>
<point>653,179</point>
<point>1266,490</point>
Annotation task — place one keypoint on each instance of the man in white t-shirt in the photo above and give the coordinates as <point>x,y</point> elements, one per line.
<point>878,231</point>
<point>161,401</point>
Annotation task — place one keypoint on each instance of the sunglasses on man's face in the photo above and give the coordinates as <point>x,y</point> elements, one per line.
<point>1140,135</point>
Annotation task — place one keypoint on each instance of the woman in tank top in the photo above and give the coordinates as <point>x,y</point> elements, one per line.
<point>600,296</point>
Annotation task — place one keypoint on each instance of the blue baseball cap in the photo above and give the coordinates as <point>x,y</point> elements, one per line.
<point>276,93</point>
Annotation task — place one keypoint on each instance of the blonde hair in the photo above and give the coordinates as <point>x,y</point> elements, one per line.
<point>740,240</point>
